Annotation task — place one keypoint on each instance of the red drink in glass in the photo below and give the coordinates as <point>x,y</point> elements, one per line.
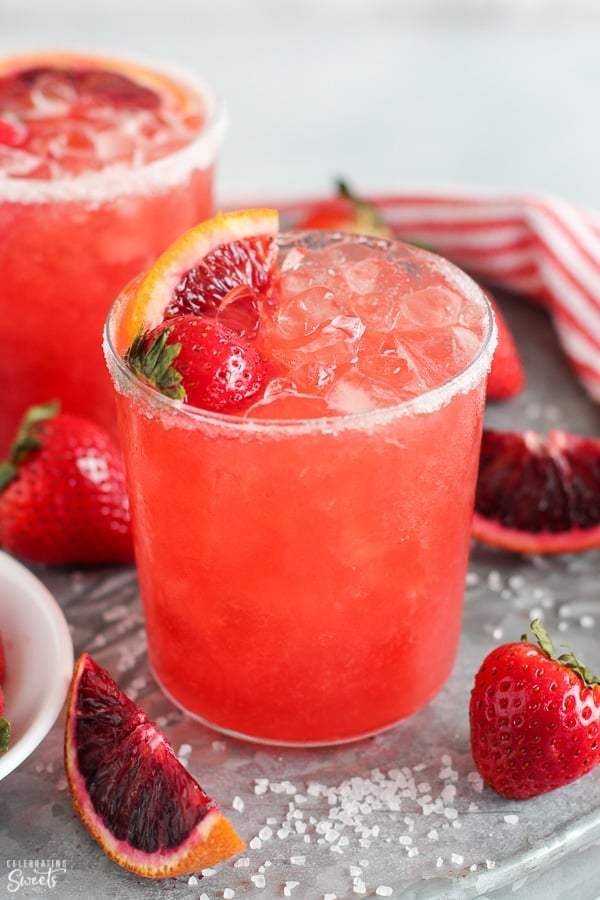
<point>302,564</point>
<point>102,164</point>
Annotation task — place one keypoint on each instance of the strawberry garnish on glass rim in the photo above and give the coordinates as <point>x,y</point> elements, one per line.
<point>534,717</point>
<point>197,360</point>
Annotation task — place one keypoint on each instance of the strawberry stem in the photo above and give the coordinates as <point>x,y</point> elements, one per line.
<point>364,211</point>
<point>27,439</point>
<point>568,659</point>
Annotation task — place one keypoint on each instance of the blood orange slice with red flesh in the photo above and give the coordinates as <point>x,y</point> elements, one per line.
<point>538,494</point>
<point>130,790</point>
<point>222,268</point>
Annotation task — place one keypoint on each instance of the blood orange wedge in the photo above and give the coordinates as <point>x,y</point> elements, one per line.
<point>538,494</point>
<point>227,262</point>
<point>129,789</point>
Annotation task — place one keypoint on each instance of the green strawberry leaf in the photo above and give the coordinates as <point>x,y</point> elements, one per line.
<point>568,659</point>
<point>28,439</point>
<point>152,361</point>
<point>4,734</point>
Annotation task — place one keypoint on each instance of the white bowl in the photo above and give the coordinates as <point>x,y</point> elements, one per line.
<point>39,660</point>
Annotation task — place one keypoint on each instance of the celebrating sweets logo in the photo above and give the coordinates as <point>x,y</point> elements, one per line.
<point>25,873</point>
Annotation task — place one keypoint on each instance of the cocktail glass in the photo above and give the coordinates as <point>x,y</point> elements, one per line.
<point>302,578</point>
<point>90,192</point>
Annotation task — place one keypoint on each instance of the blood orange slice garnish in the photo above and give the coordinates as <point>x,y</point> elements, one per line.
<point>130,790</point>
<point>227,263</point>
<point>538,494</point>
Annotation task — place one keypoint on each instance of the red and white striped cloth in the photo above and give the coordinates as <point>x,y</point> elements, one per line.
<point>534,245</point>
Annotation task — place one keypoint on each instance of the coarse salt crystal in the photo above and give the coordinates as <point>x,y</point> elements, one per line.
<point>289,887</point>
<point>511,819</point>
<point>228,894</point>
<point>265,833</point>
<point>258,880</point>
<point>297,860</point>
<point>238,804</point>
<point>192,880</point>
<point>241,862</point>
<point>384,891</point>
<point>255,843</point>
<point>457,858</point>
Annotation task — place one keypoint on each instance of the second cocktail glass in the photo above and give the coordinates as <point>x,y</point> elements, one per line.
<point>102,164</point>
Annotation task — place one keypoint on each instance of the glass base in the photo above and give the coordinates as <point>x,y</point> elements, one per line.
<point>270,741</point>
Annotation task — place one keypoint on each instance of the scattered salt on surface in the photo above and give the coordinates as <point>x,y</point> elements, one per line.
<point>494,581</point>
<point>587,621</point>
<point>511,819</point>
<point>289,887</point>
<point>242,862</point>
<point>384,891</point>
<point>228,894</point>
<point>457,858</point>
<point>259,881</point>
<point>238,804</point>
<point>297,860</point>
<point>192,880</point>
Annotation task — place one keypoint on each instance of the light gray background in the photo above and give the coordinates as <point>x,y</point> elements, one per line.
<point>492,93</point>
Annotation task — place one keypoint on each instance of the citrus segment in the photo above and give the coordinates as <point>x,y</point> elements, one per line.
<point>538,494</point>
<point>214,258</point>
<point>129,789</point>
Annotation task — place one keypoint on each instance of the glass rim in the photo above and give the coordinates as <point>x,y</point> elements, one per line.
<point>425,403</point>
<point>114,181</point>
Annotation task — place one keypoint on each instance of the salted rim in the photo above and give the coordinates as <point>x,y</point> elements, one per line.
<point>118,180</point>
<point>180,414</point>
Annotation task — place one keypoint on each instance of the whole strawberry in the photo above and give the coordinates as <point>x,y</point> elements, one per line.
<point>63,499</point>
<point>198,360</point>
<point>534,718</point>
<point>347,213</point>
